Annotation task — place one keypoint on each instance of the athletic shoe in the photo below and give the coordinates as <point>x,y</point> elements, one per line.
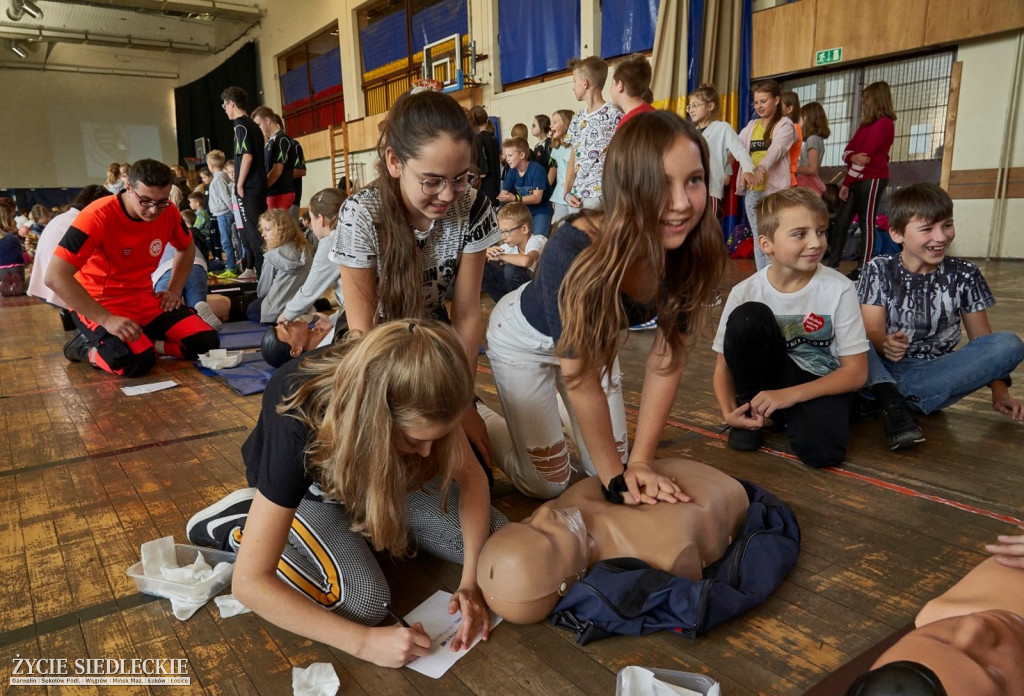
<point>247,274</point>
<point>901,428</point>
<point>854,275</point>
<point>77,349</point>
<point>212,526</point>
<point>646,326</point>
<point>226,275</point>
<point>205,313</point>
<point>743,440</point>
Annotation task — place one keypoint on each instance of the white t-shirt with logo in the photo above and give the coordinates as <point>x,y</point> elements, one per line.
<point>468,226</point>
<point>589,135</point>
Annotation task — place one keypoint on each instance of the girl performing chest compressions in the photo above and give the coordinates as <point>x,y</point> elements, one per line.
<point>357,446</point>
<point>653,252</point>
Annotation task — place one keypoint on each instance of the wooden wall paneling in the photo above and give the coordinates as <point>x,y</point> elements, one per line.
<point>870,28</point>
<point>783,39</point>
<point>951,114</point>
<point>981,183</point>
<point>953,20</point>
<point>316,145</point>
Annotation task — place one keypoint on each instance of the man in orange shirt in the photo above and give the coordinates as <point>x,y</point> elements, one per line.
<point>102,268</point>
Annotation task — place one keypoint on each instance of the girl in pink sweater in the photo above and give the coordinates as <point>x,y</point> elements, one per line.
<point>867,174</point>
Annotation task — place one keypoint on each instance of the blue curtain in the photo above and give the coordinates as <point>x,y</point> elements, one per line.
<point>383,41</point>
<point>326,70</point>
<point>536,38</point>
<point>294,85</point>
<point>627,26</point>
<point>438,21</point>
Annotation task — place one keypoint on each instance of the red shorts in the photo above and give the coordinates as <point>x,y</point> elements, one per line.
<point>283,200</point>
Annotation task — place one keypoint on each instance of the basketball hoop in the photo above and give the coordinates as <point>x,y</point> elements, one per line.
<point>428,83</point>
<point>192,162</point>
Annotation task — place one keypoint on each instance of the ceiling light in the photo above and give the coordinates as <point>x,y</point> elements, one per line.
<point>31,9</point>
<point>19,49</point>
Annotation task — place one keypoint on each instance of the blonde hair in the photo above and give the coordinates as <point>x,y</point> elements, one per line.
<point>515,212</point>
<point>592,68</point>
<point>358,396</point>
<point>566,116</point>
<point>769,209</point>
<point>113,173</point>
<point>286,230</point>
<point>517,143</point>
<point>876,103</point>
<point>519,131</point>
<point>215,158</point>
<point>634,193</point>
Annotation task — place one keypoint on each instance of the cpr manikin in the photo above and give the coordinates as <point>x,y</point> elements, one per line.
<point>525,567</point>
<point>969,640</point>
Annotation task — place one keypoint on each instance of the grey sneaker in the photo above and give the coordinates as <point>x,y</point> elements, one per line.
<point>901,428</point>
<point>205,313</point>
<point>247,274</point>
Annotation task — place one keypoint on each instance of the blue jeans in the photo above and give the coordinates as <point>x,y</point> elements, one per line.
<point>501,279</point>
<point>226,224</point>
<point>932,385</point>
<point>750,201</point>
<point>541,223</point>
<point>195,286</point>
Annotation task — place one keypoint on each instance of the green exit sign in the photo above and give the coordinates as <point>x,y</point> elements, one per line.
<point>829,55</point>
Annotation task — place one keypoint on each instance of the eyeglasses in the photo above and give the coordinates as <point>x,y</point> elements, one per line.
<point>148,204</point>
<point>433,185</point>
<point>508,230</point>
<point>694,104</point>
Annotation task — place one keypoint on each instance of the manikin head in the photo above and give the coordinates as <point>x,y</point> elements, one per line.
<point>525,567</point>
<point>978,654</point>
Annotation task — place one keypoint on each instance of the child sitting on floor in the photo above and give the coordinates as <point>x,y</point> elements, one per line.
<point>791,342</point>
<point>913,303</point>
<point>286,264</point>
<point>514,262</point>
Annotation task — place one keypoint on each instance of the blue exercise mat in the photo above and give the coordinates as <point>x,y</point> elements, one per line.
<point>247,377</point>
<point>236,335</point>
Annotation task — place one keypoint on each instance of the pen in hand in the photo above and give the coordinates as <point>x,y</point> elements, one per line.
<point>402,622</point>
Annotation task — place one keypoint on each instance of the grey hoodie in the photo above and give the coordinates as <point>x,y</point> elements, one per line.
<point>322,275</point>
<point>284,271</point>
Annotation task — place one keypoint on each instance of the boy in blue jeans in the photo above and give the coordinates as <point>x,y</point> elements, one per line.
<point>791,343</point>
<point>218,198</point>
<point>913,303</point>
<point>514,262</point>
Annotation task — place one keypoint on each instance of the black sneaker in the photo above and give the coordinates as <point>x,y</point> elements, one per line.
<point>77,349</point>
<point>744,440</point>
<point>212,526</point>
<point>854,275</point>
<point>901,428</point>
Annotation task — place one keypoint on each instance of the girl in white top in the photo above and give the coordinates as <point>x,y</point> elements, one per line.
<point>704,109</point>
<point>560,152</point>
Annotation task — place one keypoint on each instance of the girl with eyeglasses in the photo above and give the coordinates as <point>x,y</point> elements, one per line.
<point>703,106</point>
<point>419,229</point>
<point>654,251</point>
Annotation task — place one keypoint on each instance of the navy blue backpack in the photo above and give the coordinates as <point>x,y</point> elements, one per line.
<point>625,596</point>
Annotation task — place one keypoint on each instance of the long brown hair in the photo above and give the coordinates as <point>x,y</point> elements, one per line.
<point>770,87</point>
<point>415,120</point>
<point>815,120</point>
<point>634,195</point>
<point>358,396</point>
<point>876,103</point>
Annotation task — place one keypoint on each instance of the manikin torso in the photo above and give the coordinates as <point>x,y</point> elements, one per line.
<point>680,538</point>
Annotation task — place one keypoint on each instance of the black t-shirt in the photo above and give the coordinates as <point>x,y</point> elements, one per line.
<point>298,162</point>
<point>249,141</point>
<point>274,451</point>
<point>279,150</point>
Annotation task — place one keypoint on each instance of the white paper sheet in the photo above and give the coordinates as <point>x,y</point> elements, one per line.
<point>441,627</point>
<point>137,389</point>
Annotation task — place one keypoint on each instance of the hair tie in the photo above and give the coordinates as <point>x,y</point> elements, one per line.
<point>412,325</point>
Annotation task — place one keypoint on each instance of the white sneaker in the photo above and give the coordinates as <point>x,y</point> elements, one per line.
<point>205,313</point>
<point>247,274</point>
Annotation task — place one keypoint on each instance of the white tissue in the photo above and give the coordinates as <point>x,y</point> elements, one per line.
<point>156,554</point>
<point>638,681</point>
<point>319,679</point>
<point>184,608</point>
<point>229,606</point>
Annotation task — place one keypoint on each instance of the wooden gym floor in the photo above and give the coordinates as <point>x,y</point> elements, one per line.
<point>88,474</point>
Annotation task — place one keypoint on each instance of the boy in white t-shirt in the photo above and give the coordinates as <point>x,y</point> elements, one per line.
<point>589,133</point>
<point>513,263</point>
<point>791,344</point>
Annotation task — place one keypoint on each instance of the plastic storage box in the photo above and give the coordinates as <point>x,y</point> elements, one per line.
<point>186,555</point>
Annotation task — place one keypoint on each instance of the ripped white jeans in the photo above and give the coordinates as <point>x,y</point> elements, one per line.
<point>529,382</point>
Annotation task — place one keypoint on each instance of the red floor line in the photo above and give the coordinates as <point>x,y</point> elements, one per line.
<point>896,488</point>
